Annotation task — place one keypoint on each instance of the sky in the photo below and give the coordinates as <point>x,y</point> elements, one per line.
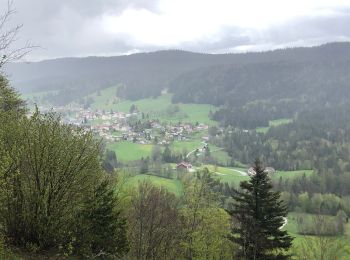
<point>65,28</point>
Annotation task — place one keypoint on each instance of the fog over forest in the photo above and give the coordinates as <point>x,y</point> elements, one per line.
<point>186,129</point>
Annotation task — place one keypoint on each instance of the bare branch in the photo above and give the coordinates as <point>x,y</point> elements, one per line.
<point>8,36</point>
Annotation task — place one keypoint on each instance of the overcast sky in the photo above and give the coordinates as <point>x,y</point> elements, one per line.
<point>112,27</point>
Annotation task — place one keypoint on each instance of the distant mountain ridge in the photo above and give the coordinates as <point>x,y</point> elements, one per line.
<point>146,74</point>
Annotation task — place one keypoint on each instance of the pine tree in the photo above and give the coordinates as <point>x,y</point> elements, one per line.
<point>103,229</point>
<point>9,98</point>
<point>259,213</point>
<point>167,156</point>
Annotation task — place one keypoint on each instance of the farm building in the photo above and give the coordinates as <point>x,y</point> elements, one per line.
<point>184,166</point>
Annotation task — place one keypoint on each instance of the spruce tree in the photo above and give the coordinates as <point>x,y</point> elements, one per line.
<point>260,214</point>
<point>9,99</point>
<point>103,228</point>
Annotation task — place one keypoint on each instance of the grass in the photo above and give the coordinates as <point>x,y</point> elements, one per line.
<point>232,175</point>
<point>292,228</point>
<point>274,123</point>
<point>292,225</point>
<point>180,146</point>
<point>291,174</point>
<point>172,185</point>
<point>219,155</point>
<point>128,151</point>
<point>226,174</point>
<point>155,107</point>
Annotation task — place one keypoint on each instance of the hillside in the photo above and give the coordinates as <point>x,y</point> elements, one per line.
<point>146,74</point>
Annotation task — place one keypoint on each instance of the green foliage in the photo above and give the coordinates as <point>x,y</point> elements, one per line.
<point>52,168</point>
<point>171,185</point>
<point>110,161</point>
<point>9,98</point>
<point>259,214</point>
<point>154,223</point>
<point>322,225</point>
<point>128,151</point>
<point>206,225</point>
<point>323,245</point>
<point>102,230</point>
<point>167,156</point>
<point>51,183</point>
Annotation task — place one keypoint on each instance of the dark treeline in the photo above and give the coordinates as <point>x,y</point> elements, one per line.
<point>316,139</point>
<point>254,94</point>
<point>188,75</point>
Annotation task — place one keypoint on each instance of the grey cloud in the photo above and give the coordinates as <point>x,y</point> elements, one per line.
<point>69,28</point>
<point>303,31</point>
<point>309,28</point>
<point>66,27</point>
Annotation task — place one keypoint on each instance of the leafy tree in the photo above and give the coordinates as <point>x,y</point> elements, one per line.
<point>154,223</point>
<point>48,170</point>
<point>260,214</point>
<point>206,226</point>
<point>103,229</point>
<point>321,246</point>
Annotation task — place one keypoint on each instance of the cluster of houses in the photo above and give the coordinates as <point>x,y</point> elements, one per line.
<point>116,126</point>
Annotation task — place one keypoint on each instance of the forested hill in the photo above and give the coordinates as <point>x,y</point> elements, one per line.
<point>250,95</point>
<point>146,74</point>
<point>321,81</point>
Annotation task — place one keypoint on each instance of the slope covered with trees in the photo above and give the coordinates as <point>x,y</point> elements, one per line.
<point>146,74</point>
<point>52,185</point>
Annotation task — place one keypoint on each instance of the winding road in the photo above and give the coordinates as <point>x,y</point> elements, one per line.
<point>204,143</point>
<point>284,223</point>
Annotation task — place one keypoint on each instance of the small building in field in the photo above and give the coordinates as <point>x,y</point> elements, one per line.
<point>184,166</point>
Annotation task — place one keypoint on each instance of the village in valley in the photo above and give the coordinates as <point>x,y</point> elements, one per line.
<point>134,127</point>
<point>151,138</point>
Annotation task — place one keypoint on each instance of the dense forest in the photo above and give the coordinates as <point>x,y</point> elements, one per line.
<point>147,74</point>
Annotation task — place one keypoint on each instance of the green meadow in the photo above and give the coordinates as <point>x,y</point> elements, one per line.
<point>155,107</point>
<point>273,123</point>
<point>292,228</point>
<point>235,175</point>
<point>128,151</point>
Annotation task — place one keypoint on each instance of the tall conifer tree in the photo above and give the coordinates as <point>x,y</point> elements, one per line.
<point>260,214</point>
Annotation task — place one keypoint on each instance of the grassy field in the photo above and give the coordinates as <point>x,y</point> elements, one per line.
<point>291,174</point>
<point>273,123</point>
<point>172,185</point>
<point>188,146</point>
<point>292,228</point>
<point>220,155</point>
<point>217,153</point>
<point>156,107</point>
<point>226,174</point>
<point>235,175</point>
<point>128,151</point>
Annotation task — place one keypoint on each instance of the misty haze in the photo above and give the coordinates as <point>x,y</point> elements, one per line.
<point>187,129</point>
